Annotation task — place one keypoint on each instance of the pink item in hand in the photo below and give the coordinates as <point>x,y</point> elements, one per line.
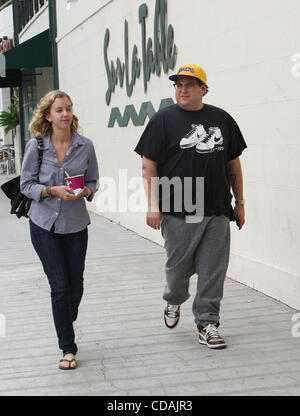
<point>76,183</point>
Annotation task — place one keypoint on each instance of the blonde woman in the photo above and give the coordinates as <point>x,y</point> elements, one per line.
<point>59,218</point>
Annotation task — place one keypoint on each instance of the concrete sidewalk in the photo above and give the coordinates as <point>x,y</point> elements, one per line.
<point>124,347</point>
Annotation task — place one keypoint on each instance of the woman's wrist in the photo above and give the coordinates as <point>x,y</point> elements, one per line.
<point>48,191</point>
<point>53,190</point>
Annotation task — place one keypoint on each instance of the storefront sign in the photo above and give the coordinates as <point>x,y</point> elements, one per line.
<point>156,53</point>
<point>6,45</point>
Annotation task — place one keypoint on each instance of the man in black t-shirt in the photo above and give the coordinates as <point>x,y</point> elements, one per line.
<point>190,159</point>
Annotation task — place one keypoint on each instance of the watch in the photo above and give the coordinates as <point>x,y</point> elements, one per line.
<point>48,191</point>
<point>240,202</point>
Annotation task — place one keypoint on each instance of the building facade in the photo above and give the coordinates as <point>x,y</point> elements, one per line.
<point>114,58</point>
<point>30,66</point>
<point>6,43</point>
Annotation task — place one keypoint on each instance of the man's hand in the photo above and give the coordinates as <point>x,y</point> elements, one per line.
<point>153,216</point>
<point>153,219</point>
<point>236,180</point>
<point>239,213</point>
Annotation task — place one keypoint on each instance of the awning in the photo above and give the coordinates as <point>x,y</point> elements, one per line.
<point>33,53</point>
<point>13,79</point>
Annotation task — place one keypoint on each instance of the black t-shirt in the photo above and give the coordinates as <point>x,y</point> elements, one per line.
<point>193,144</point>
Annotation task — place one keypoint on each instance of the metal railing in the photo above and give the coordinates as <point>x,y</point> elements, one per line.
<point>7,160</point>
<point>25,10</point>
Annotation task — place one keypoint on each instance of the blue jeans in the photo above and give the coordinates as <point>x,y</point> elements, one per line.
<point>63,258</point>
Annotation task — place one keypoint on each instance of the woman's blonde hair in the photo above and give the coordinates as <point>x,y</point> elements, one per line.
<point>39,125</point>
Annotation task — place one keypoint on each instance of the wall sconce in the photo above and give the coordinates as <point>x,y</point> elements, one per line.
<point>69,3</point>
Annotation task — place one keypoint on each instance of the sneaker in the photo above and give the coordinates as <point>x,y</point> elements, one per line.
<point>210,336</point>
<point>213,139</point>
<point>197,134</point>
<point>171,315</point>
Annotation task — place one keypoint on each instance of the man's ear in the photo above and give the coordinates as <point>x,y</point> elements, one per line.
<point>204,89</point>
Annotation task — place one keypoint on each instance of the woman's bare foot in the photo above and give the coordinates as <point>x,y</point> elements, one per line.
<point>68,362</point>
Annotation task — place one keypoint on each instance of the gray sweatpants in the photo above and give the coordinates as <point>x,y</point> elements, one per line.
<point>201,248</point>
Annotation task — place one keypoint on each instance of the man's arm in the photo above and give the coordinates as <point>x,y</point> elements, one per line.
<point>150,177</point>
<point>236,180</point>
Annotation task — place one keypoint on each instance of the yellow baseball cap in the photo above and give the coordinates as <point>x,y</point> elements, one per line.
<point>190,70</point>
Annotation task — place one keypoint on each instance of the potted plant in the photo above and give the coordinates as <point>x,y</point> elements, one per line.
<point>10,119</point>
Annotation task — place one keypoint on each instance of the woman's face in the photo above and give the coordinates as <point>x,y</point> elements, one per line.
<point>61,113</point>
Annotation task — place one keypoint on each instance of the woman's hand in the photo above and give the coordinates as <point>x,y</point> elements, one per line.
<point>67,193</point>
<point>63,192</point>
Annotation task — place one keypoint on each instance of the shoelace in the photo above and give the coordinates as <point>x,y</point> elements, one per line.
<point>212,331</point>
<point>190,133</point>
<point>206,139</point>
<point>172,311</point>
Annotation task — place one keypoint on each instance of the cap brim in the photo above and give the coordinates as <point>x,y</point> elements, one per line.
<point>175,76</point>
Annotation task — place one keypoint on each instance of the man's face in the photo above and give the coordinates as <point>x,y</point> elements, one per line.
<point>189,93</point>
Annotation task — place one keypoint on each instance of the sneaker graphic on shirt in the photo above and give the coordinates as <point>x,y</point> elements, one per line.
<point>193,137</point>
<point>208,144</point>
<point>204,142</point>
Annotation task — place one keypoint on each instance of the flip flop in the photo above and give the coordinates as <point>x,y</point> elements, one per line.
<point>70,362</point>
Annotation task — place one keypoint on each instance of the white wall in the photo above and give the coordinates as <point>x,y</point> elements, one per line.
<point>6,22</point>
<point>247,49</point>
<point>79,12</point>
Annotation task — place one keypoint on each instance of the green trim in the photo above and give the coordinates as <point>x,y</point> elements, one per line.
<point>130,113</point>
<point>16,22</point>
<point>53,35</point>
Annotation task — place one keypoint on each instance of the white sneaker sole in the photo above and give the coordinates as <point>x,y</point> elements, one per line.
<point>187,145</point>
<point>217,346</point>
